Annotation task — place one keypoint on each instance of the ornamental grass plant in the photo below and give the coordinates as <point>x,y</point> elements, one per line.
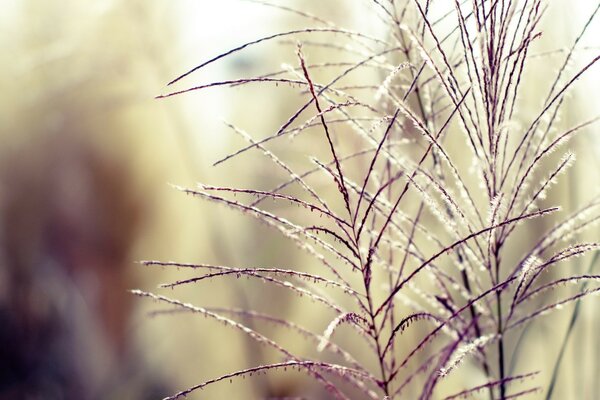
<point>412,173</point>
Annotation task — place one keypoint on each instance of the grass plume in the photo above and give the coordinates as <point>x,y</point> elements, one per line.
<point>424,177</point>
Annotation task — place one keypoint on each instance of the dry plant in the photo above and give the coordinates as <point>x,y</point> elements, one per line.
<point>439,175</point>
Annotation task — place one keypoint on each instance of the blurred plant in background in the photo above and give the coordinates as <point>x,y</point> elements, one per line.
<point>85,157</point>
<point>72,205</point>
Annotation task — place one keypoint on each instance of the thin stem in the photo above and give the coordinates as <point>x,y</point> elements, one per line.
<point>501,366</point>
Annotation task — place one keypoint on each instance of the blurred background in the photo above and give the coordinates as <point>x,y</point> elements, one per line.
<point>86,156</point>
